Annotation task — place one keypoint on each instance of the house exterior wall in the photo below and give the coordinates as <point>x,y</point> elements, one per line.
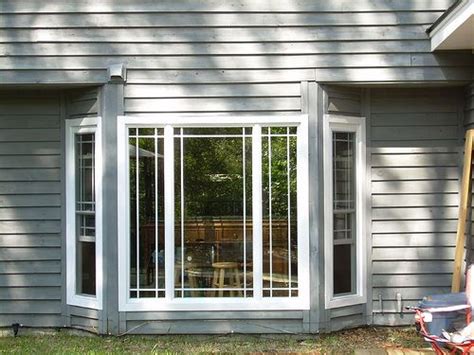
<point>237,42</point>
<point>30,213</point>
<point>241,58</point>
<point>416,154</point>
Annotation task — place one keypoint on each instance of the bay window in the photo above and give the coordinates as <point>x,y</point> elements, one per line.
<point>213,213</point>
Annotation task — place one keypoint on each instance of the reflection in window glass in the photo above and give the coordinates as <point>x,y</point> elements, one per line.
<point>213,235</point>
<point>344,262</point>
<point>147,247</point>
<point>85,213</point>
<point>213,198</point>
<point>280,260</point>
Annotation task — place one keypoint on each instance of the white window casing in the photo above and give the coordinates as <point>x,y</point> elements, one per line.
<point>73,127</point>
<point>356,125</point>
<point>169,301</point>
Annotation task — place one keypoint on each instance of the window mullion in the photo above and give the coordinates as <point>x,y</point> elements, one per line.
<point>257,211</point>
<point>169,210</point>
<point>157,249</point>
<point>137,213</point>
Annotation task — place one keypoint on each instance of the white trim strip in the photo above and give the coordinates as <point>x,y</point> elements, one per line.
<point>270,226</point>
<point>157,249</point>
<point>169,213</point>
<point>441,33</point>
<point>244,208</point>
<point>73,127</point>
<point>137,215</point>
<point>288,180</point>
<point>257,212</point>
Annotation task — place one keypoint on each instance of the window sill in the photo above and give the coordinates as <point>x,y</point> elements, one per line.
<point>213,304</point>
<point>345,301</point>
<point>84,301</point>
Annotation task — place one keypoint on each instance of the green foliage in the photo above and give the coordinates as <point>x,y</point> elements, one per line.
<point>213,176</point>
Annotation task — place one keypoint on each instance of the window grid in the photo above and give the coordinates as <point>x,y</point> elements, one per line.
<point>299,176</point>
<point>287,133</point>
<point>288,182</point>
<point>156,258</point>
<point>85,213</point>
<point>135,137</point>
<point>85,205</point>
<point>345,263</point>
<point>270,226</point>
<point>83,166</point>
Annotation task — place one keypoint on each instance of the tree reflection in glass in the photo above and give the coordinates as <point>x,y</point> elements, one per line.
<point>213,187</point>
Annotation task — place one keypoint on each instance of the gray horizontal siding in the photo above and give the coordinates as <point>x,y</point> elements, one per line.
<point>30,242</point>
<point>167,19</point>
<point>329,60</point>
<point>62,49</point>
<point>416,134</point>
<point>213,322</point>
<point>84,318</point>
<point>87,6</point>
<point>82,103</point>
<point>206,98</point>
<point>211,42</point>
<point>26,319</point>
<point>209,326</point>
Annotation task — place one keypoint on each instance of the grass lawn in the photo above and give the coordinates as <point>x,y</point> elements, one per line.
<point>63,342</point>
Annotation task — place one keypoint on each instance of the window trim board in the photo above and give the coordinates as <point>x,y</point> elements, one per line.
<point>338,123</point>
<point>73,126</point>
<point>189,304</point>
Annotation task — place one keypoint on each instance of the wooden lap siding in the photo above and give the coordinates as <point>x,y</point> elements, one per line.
<point>30,200</point>
<point>183,43</point>
<point>416,148</point>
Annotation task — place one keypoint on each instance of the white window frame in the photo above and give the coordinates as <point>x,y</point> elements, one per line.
<point>82,126</point>
<point>258,302</point>
<point>335,123</point>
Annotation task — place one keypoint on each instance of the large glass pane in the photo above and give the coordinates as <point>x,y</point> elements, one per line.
<point>85,256</point>
<point>342,264</point>
<point>344,260</point>
<point>213,255</point>
<point>280,271</point>
<point>147,276</point>
<point>85,213</point>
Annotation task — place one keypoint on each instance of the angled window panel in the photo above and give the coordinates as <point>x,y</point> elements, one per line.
<point>84,212</point>
<point>344,196</point>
